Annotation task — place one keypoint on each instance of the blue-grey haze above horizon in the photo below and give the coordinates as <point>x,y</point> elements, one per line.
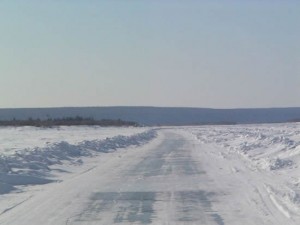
<point>218,54</point>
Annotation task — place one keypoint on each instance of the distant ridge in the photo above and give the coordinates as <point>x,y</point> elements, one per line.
<point>160,115</point>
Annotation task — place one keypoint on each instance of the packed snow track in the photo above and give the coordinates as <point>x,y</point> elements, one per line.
<point>158,188</point>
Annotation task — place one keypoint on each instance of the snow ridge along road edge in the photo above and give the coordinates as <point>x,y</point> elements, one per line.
<point>30,167</point>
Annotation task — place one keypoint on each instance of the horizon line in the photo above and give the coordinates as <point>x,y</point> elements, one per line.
<point>167,107</point>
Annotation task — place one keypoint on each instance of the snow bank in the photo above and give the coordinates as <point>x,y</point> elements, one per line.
<point>15,139</point>
<point>268,155</point>
<point>270,147</point>
<point>33,166</point>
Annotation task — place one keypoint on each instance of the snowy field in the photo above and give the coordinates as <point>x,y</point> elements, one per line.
<point>243,174</point>
<point>261,164</point>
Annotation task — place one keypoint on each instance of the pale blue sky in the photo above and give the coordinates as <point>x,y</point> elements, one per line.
<point>219,54</point>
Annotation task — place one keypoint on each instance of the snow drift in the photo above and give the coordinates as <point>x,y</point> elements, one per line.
<point>33,166</point>
<point>268,155</point>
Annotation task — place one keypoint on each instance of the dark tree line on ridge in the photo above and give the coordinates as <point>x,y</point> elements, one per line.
<point>67,121</point>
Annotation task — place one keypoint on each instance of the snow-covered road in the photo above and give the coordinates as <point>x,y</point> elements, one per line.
<point>177,178</point>
<point>159,187</point>
<point>154,184</point>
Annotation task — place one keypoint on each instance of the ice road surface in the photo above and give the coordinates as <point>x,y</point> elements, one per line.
<point>215,175</point>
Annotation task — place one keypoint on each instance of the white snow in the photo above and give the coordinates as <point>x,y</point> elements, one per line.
<point>254,170</point>
<point>35,165</point>
<point>14,139</point>
<point>260,163</point>
<point>61,166</point>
